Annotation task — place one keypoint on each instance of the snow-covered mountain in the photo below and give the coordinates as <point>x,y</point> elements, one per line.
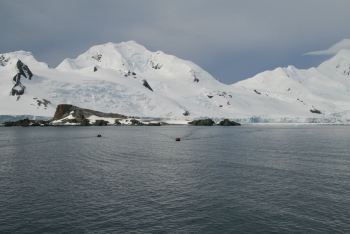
<point>127,78</point>
<point>323,91</point>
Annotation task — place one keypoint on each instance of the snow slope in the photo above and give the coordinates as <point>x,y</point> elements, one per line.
<point>325,88</point>
<point>127,78</point>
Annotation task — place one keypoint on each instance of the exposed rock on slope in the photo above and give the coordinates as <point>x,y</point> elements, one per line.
<point>22,70</point>
<point>145,83</point>
<point>65,110</point>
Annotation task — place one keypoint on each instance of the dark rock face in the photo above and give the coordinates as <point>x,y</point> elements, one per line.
<point>186,113</point>
<point>26,123</point>
<point>3,60</point>
<point>315,111</point>
<point>43,102</point>
<point>81,115</point>
<point>23,70</point>
<point>257,92</point>
<point>202,122</point>
<point>155,66</point>
<point>145,83</point>
<point>222,94</point>
<point>22,123</point>
<point>194,75</point>
<point>100,122</point>
<point>300,101</point>
<point>135,122</point>
<point>117,122</point>
<point>63,110</point>
<point>227,122</point>
<point>85,122</point>
<point>18,90</point>
<point>210,122</point>
<point>72,121</point>
<point>129,73</point>
<point>97,57</point>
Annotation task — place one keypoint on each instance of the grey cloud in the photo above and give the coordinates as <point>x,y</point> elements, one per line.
<point>334,49</point>
<point>230,38</point>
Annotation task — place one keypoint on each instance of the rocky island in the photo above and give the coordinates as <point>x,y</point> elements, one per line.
<point>70,115</point>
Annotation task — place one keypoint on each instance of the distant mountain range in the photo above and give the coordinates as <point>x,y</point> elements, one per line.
<point>128,79</point>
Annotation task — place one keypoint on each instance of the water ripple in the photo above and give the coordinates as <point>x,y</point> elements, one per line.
<point>248,179</point>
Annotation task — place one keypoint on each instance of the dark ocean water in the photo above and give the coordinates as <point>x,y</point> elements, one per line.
<point>257,179</point>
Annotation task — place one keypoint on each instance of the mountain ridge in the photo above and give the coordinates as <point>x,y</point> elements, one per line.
<point>127,78</point>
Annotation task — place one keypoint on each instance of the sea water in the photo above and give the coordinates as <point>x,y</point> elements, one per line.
<point>274,178</point>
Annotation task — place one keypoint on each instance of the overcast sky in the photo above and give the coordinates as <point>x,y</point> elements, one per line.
<point>232,39</point>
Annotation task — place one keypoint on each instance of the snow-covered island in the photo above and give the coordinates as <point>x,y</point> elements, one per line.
<point>127,78</point>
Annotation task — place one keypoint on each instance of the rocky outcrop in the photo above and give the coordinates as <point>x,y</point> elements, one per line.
<point>202,122</point>
<point>26,123</point>
<point>146,84</point>
<point>85,122</point>
<point>22,70</point>
<point>97,57</point>
<point>210,122</point>
<point>100,122</point>
<point>315,111</point>
<point>3,60</point>
<point>135,122</point>
<point>257,92</point>
<point>186,113</point>
<point>195,77</point>
<point>72,115</point>
<point>155,66</point>
<point>42,102</point>
<point>64,110</point>
<point>227,122</point>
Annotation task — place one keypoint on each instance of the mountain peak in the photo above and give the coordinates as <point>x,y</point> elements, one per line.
<point>338,64</point>
<point>11,58</point>
<point>131,45</point>
<point>117,56</point>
